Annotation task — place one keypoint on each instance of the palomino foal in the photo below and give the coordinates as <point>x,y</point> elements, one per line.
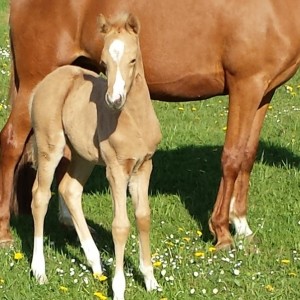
<point>111,123</point>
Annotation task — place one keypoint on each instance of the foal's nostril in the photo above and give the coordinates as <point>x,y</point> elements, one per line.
<point>118,101</point>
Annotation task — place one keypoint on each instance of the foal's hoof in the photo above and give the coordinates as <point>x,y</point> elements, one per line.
<point>6,243</point>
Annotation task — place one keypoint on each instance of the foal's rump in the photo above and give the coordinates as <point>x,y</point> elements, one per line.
<point>66,102</point>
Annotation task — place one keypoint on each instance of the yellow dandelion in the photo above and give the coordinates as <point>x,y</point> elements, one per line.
<point>164,298</point>
<point>187,239</point>
<point>212,249</point>
<point>269,288</point>
<point>1,280</point>
<point>199,232</point>
<point>157,264</point>
<point>194,108</point>
<point>293,274</point>
<point>100,277</point>
<point>180,229</point>
<point>270,107</point>
<point>289,88</point>
<point>180,108</point>
<point>100,296</point>
<point>170,244</point>
<point>224,128</point>
<point>18,256</point>
<point>285,261</point>
<point>63,289</point>
<point>199,254</point>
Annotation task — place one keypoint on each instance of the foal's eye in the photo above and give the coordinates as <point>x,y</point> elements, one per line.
<point>133,61</point>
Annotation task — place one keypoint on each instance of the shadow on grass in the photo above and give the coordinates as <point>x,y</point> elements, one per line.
<point>193,173</point>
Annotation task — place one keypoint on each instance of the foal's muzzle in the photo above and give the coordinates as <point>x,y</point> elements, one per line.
<point>115,102</point>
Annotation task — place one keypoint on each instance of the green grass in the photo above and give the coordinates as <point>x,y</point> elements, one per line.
<point>182,191</point>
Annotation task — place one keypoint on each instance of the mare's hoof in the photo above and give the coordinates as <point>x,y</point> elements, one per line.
<point>224,246</point>
<point>251,244</point>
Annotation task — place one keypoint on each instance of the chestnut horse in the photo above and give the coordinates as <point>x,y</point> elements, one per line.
<point>192,49</point>
<point>110,123</point>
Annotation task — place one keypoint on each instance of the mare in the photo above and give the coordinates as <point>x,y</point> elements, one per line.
<point>110,123</point>
<point>192,50</point>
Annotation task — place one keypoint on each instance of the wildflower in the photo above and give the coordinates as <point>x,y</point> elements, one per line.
<point>285,261</point>
<point>180,229</point>
<point>270,107</point>
<point>157,264</point>
<point>236,272</point>
<point>293,274</point>
<point>196,274</point>
<point>199,254</point>
<point>212,249</point>
<point>63,289</point>
<point>164,298</point>
<point>192,291</point>
<point>194,108</point>
<point>18,256</point>
<point>1,280</point>
<point>187,239</point>
<point>215,291</point>
<point>289,88</point>
<point>224,128</point>
<point>180,108</point>
<point>100,277</point>
<point>269,288</point>
<point>100,296</point>
<point>199,232</point>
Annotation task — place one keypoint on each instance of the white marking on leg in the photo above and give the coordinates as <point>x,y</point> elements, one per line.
<point>92,255</point>
<point>116,50</point>
<point>38,261</point>
<point>240,224</point>
<point>118,286</point>
<point>150,281</point>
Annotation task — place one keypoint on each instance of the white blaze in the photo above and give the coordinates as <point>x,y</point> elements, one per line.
<point>116,50</point>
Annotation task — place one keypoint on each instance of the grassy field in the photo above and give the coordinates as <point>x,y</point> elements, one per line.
<point>183,188</point>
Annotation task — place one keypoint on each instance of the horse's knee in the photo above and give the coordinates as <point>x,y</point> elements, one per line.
<point>143,218</point>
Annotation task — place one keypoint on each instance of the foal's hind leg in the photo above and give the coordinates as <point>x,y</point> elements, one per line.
<point>50,151</point>
<point>238,204</point>
<point>70,189</point>
<point>138,187</point>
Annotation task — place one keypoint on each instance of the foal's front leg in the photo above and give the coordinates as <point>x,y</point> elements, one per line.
<point>138,187</point>
<point>118,181</point>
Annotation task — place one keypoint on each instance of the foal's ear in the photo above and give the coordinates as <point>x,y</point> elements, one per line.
<point>104,26</point>
<point>133,24</point>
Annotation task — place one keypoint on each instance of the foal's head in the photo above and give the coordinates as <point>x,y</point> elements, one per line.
<point>120,55</point>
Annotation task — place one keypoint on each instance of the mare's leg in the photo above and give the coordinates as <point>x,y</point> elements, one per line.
<point>12,139</point>
<point>50,151</point>
<point>138,187</point>
<point>244,99</point>
<point>238,205</point>
<point>70,189</point>
<point>118,181</point>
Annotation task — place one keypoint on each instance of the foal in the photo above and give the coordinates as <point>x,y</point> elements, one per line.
<point>110,123</point>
